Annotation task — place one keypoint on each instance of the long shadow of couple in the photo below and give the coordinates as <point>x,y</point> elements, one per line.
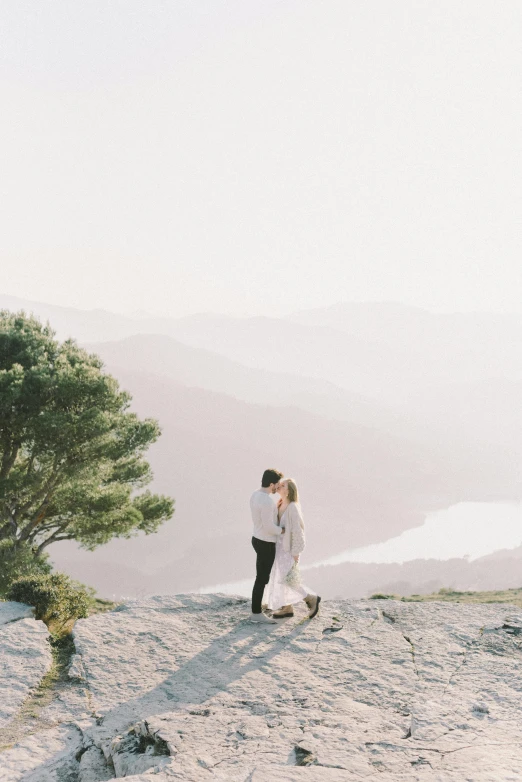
<point>229,658</point>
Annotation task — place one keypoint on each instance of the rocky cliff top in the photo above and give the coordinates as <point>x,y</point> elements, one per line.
<point>186,688</point>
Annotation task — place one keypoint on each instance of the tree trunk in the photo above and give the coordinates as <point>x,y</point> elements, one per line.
<point>8,460</point>
<point>10,528</point>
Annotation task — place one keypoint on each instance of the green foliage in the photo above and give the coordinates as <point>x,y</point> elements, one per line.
<point>55,597</point>
<point>510,596</point>
<point>448,594</point>
<point>71,453</point>
<point>17,560</point>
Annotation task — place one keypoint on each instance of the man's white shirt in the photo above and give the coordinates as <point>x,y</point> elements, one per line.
<point>264,516</point>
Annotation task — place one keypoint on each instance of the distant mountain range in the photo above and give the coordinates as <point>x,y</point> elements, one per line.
<point>381,413</point>
<point>210,455</point>
<point>501,570</point>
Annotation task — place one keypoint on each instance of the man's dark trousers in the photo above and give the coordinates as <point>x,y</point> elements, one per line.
<point>265,559</point>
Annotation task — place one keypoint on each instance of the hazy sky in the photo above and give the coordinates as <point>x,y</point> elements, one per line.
<point>241,156</point>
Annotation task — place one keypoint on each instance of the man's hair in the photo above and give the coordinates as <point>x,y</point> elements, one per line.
<point>270,476</point>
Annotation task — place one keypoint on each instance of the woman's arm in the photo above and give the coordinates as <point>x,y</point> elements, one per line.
<point>298,536</point>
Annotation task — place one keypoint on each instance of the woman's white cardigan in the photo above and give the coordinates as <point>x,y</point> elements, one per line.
<point>294,537</point>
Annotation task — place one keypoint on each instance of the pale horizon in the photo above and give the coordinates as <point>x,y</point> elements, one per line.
<point>216,157</point>
<point>143,314</point>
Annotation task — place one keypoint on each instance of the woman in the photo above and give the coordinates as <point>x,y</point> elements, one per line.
<point>281,595</point>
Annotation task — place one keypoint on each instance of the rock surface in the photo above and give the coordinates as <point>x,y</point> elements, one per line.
<point>12,612</point>
<point>25,656</point>
<point>184,687</point>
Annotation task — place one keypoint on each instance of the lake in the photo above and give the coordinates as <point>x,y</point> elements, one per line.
<point>467,529</point>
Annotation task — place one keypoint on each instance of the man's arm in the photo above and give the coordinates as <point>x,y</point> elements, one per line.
<point>267,520</point>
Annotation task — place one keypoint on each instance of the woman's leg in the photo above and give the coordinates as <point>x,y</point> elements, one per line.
<point>290,595</point>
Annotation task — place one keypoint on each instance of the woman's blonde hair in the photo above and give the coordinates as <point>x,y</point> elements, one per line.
<point>293,494</point>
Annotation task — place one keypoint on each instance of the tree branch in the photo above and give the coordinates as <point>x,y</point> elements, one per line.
<point>52,539</point>
<point>39,513</point>
<point>43,491</point>
<point>55,526</point>
<point>30,463</point>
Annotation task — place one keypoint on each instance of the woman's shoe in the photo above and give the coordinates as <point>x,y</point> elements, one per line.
<point>283,612</point>
<point>313,604</point>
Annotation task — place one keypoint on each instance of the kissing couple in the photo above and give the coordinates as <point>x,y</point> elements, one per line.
<point>278,541</point>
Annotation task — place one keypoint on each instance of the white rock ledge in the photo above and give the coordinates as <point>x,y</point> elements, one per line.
<point>25,657</point>
<point>184,687</point>
<point>12,612</point>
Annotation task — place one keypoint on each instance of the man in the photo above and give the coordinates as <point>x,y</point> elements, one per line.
<point>264,517</point>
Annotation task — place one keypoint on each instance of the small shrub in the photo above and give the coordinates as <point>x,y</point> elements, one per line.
<point>55,597</point>
<point>379,596</point>
<point>18,560</point>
